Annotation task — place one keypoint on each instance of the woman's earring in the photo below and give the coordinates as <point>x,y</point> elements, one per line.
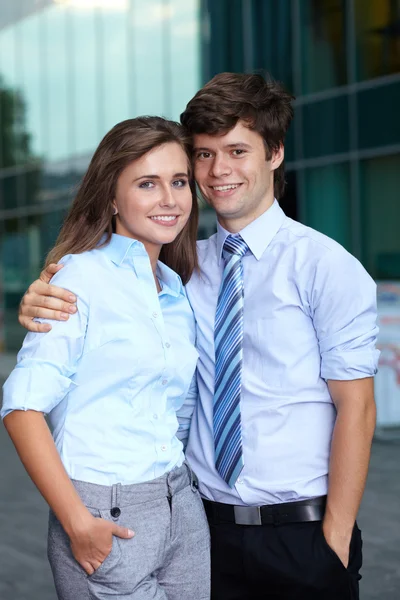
<point>115,211</point>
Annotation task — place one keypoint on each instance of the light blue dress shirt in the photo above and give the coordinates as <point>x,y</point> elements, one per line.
<point>113,377</point>
<point>309,316</point>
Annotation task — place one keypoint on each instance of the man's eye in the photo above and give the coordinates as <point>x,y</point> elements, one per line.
<point>203,155</point>
<point>238,152</point>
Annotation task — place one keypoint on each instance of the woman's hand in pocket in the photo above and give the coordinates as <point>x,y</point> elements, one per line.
<point>91,543</point>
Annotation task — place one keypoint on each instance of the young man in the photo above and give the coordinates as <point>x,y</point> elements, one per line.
<point>280,437</point>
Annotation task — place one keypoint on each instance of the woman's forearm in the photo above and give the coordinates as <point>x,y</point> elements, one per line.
<point>38,453</point>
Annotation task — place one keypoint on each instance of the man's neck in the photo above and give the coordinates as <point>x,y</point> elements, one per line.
<point>236,225</point>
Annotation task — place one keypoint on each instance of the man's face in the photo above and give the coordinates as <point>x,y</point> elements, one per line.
<point>234,176</point>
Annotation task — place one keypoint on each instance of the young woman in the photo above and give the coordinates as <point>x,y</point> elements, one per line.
<point>126,519</point>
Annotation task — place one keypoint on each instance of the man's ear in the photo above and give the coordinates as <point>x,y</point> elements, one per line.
<point>277,157</point>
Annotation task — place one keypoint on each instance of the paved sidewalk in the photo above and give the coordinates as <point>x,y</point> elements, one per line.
<point>25,574</point>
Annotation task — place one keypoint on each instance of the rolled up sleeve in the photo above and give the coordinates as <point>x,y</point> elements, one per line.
<point>344,317</point>
<point>47,361</point>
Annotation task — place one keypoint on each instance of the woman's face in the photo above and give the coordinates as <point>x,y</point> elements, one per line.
<point>153,197</point>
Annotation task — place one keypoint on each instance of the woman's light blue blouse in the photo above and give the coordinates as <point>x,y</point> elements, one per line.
<point>113,377</point>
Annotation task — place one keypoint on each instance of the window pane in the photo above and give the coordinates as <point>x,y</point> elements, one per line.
<point>378,38</point>
<point>328,202</point>
<point>14,140</point>
<point>82,44</point>
<point>272,25</point>
<point>184,59</point>
<point>253,35</point>
<point>323,43</point>
<point>57,68</point>
<point>32,80</point>
<point>21,258</point>
<point>326,127</point>
<point>381,211</point>
<point>20,263</point>
<point>378,116</point>
<point>150,62</point>
<point>290,153</point>
<point>114,64</point>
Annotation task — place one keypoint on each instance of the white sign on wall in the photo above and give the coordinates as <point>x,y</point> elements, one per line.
<point>387,380</point>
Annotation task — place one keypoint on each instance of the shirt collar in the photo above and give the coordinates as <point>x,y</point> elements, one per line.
<point>171,282</point>
<point>258,234</point>
<point>120,248</point>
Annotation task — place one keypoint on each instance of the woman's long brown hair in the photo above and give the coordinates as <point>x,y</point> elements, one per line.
<point>91,213</point>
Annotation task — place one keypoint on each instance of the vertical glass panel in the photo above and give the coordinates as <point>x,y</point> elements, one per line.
<point>216,44</point>
<point>323,43</point>
<point>57,101</point>
<point>290,152</point>
<point>328,201</point>
<point>9,183</point>
<point>2,318</point>
<point>381,212</point>
<point>377,27</point>
<point>11,104</point>
<point>15,259</point>
<point>8,67</point>
<point>149,21</point>
<point>14,137</point>
<point>114,63</point>
<point>272,25</point>
<point>82,44</point>
<point>379,116</point>
<point>21,257</point>
<point>30,33</point>
<point>326,127</point>
<point>184,58</point>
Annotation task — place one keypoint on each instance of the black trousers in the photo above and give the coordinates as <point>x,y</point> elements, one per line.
<point>283,562</point>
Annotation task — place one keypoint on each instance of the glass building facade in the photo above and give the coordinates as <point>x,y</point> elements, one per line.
<point>70,70</point>
<point>341,59</point>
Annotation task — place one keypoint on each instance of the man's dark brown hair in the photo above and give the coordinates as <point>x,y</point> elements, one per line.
<point>262,104</point>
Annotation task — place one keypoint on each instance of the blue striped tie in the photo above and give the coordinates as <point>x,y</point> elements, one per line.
<point>228,340</point>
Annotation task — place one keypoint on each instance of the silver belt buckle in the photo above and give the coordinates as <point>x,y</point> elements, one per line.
<point>247,515</point>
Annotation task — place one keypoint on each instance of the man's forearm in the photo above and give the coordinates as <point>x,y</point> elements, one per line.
<point>350,454</point>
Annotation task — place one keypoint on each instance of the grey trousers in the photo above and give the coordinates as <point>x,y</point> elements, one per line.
<point>167,559</point>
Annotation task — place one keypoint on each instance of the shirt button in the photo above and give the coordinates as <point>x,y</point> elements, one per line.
<point>155,315</point>
<point>155,416</point>
<point>163,448</point>
<point>240,480</point>
<point>164,381</point>
<point>168,345</point>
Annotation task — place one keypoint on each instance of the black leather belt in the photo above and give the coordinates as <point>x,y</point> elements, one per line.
<point>269,514</point>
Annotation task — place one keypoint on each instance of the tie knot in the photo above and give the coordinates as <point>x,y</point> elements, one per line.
<point>235,245</point>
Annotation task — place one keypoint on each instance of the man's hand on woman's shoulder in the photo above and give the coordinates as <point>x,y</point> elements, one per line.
<point>45,301</point>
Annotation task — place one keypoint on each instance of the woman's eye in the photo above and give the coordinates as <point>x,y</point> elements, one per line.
<point>179,183</point>
<point>146,185</point>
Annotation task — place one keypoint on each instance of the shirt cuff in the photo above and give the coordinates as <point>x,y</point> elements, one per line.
<point>350,365</point>
<point>25,389</point>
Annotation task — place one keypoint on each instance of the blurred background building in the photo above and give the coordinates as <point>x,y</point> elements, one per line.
<point>71,69</point>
